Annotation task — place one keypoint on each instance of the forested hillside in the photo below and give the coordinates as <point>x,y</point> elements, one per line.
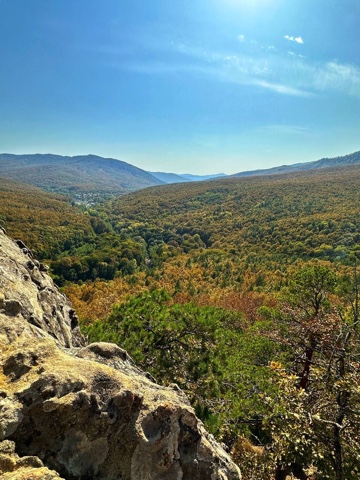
<point>307,215</point>
<point>210,241</point>
<point>46,222</point>
<point>86,178</point>
<point>334,162</point>
<point>243,291</point>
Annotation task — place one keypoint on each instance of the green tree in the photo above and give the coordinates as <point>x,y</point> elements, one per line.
<point>315,417</point>
<point>182,343</point>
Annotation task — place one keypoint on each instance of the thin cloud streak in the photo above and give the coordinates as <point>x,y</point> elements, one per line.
<point>283,73</point>
<point>244,70</point>
<point>283,89</point>
<point>288,75</point>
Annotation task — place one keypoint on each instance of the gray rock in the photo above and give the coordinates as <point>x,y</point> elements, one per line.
<point>29,294</point>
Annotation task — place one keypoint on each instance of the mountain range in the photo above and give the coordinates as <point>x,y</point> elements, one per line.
<point>87,177</point>
<point>351,159</point>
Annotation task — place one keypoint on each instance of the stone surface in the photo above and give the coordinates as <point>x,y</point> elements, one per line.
<point>85,412</point>
<point>22,468</point>
<point>27,293</point>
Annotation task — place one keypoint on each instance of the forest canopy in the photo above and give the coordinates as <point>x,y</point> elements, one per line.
<point>243,292</point>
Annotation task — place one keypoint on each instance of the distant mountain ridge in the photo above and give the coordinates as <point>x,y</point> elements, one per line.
<point>82,174</point>
<point>200,178</point>
<point>170,177</point>
<point>184,177</point>
<point>86,177</point>
<point>351,159</point>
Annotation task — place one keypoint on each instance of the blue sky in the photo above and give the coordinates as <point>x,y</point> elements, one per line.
<point>199,86</point>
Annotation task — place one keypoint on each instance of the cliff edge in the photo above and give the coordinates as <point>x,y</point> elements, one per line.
<point>75,411</point>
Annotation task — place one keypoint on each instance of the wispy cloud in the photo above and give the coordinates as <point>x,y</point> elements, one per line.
<point>283,73</point>
<point>262,72</point>
<point>268,68</point>
<point>283,89</point>
<point>294,39</point>
<point>337,76</point>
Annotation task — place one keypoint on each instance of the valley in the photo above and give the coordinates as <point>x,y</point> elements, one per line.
<point>222,287</point>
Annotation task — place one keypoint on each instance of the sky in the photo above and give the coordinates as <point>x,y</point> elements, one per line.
<point>184,86</point>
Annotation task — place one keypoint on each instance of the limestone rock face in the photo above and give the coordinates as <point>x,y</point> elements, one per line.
<point>86,412</point>
<point>27,293</point>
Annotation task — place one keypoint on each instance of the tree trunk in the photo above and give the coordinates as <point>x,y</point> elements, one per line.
<point>342,400</point>
<point>309,352</point>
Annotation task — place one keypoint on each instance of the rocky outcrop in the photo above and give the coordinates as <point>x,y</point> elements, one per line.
<point>85,412</point>
<point>29,297</point>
